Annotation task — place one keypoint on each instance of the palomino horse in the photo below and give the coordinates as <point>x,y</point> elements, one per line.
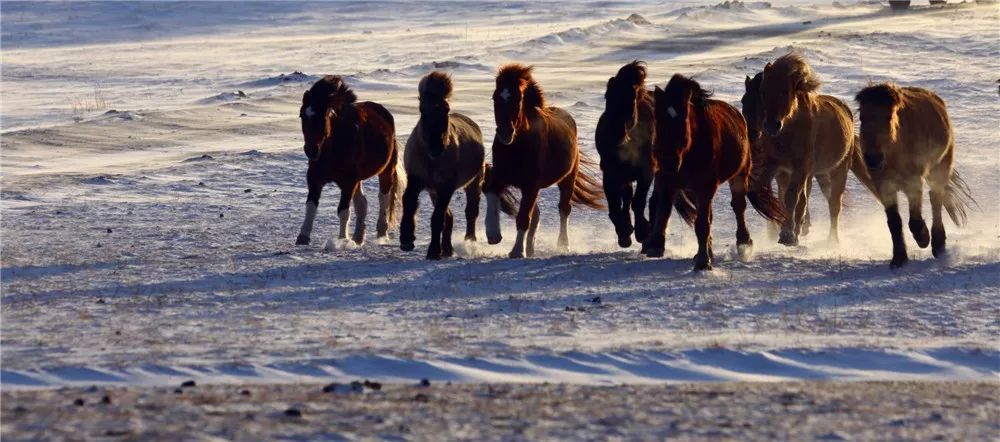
<point>347,142</point>
<point>701,143</point>
<point>624,140</point>
<point>443,154</point>
<point>534,148</point>
<point>806,135</point>
<point>906,137</point>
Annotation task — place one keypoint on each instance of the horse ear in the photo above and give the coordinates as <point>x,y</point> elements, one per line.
<point>747,82</point>
<point>657,91</point>
<point>767,67</point>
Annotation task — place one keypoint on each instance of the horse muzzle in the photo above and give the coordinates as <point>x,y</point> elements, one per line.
<point>312,152</point>
<point>773,128</point>
<point>505,138</point>
<point>874,161</point>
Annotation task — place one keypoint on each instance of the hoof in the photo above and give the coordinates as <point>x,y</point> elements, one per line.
<point>898,262</point>
<point>470,238</point>
<point>494,239</point>
<point>939,251</point>
<point>302,240</point>
<point>702,266</point>
<point>515,254</point>
<point>787,238</point>
<point>745,251</point>
<point>406,246</point>
<point>654,252</point>
<point>434,255</point>
<point>920,234</point>
<point>641,231</point>
<point>447,251</point>
<point>625,241</point>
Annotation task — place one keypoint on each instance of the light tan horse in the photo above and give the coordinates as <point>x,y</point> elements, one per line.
<point>444,153</point>
<point>805,135</point>
<point>906,137</point>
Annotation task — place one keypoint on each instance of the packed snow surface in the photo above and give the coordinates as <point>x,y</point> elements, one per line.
<point>153,186</point>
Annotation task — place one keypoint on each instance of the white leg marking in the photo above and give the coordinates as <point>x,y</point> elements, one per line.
<point>361,208</point>
<point>492,216</point>
<point>518,250</point>
<point>345,221</point>
<point>563,234</point>
<point>307,225</point>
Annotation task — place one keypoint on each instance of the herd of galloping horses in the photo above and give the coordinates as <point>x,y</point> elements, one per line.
<point>676,141</point>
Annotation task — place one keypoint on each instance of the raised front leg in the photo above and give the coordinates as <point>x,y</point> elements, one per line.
<point>344,213</point>
<point>795,200</point>
<point>639,208</point>
<point>438,222</point>
<point>665,193</point>
<point>703,229</point>
<point>913,188</point>
<point>408,225</point>
<point>472,194</point>
<point>529,196</point>
<point>312,206</point>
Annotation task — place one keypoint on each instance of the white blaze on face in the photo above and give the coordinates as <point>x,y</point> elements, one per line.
<point>672,112</point>
<point>505,94</point>
<point>309,112</point>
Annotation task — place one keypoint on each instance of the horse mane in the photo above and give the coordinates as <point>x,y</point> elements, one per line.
<point>516,73</point>
<point>633,73</point>
<point>331,90</point>
<point>435,86</point>
<point>883,94</point>
<point>680,85</point>
<point>795,68</point>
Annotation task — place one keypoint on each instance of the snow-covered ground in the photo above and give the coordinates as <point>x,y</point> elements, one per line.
<point>149,209</point>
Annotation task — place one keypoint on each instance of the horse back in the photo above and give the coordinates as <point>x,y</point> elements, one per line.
<point>558,117</point>
<point>378,141</point>
<point>727,135</point>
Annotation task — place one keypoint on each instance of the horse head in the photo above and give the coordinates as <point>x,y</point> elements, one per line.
<point>678,107</point>
<point>435,91</point>
<point>752,106</point>
<point>326,107</point>
<point>623,94</point>
<point>782,84</point>
<point>879,106</point>
<point>515,98</point>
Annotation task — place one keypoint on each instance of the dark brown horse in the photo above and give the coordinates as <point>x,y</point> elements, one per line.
<point>907,138</point>
<point>534,148</point>
<point>347,142</point>
<point>805,135</point>
<point>701,143</point>
<point>624,140</point>
<point>444,153</point>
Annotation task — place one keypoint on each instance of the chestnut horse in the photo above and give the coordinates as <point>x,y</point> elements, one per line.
<point>624,140</point>
<point>444,153</point>
<point>534,148</point>
<point>907,138</point>
<point>701,143</point>
<point>805,135</point>
<point>347,142</point>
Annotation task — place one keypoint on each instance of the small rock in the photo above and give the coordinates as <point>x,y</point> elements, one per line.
<point>188,383</point>
<point>293,412</point>
<point>178,391</point>
<point>807,22</point>
<point>372,385</point>
<point>201,183</point>
<point>98,245</point>
<point>20,409</point>
<point>330,388</point>
<point>106,399</point>
<point>247,190</point>
<point>79,402</point>
<point>222,215</point>
<point>420,397</point>
<point>118,332</point>
<point>101,301</point>
<point>109,230</point>
<point>245,393</point>
<point>425,382</point>
<point>357,386</point>
<point>596,300</point>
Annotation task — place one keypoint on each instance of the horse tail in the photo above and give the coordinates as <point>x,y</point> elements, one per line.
<point>958,199</point>
<point>587,189</point>
<point>508,201</point>
<point>860,169</point>
<point>685,208</point>
<point>397,187</point>
<point>764,201</point>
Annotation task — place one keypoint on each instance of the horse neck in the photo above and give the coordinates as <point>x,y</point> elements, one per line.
<point>805,106</point>
<point>434,140</point>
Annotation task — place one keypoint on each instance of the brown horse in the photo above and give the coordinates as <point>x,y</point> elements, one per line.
<point>906,137</point>
<point>624,140</point>
<point>701,143</point>
<point>806,135</point>
<point>347,142</point>
<point>443,154</point>
<point>534,148</point>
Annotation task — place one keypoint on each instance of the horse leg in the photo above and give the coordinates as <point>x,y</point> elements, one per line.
<point>529,248</point>
<point>772,226</point>
<point>565,193</point>
<point>472,194</point>
<point>613,190</point>
<point>407,225</point>
<point>794,203</point>
<point>913,188</point>
<point>447,250</point>
<point>492,188</point>
<point>938,183</point>
<point>665,193</point>
<point>738,188</point>
<point>836,184</point>
<point>703,229</point>
<point>639,208</point>
<point>312,204</point>
<point>806,220</point>
<point>361,209</point>
<point>344,213</point>
<point>442,198</point>
<point>887,193</point>
<point>529,196</point>
<point>388,192</point>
